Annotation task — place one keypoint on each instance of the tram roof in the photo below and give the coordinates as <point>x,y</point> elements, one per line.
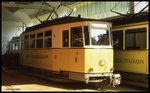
<point>127,18</point>
<point>58,21</point>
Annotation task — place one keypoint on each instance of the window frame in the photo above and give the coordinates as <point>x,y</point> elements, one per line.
<point>134,38</point>
<point>71,37</point>
<point>32,39</point>
<point>38,38</point>
<point>122,39</point>
<point>46,37</point>
<point>101,28</point>
<point>26,41</point>
<point>84,35</point>
<point>68,39</point>
<point>134,27</point>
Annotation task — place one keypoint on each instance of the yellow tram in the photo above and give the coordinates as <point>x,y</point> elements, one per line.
<point>131,48</point>
<point>70,47</point>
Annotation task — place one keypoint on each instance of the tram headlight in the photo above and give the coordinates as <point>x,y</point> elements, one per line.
<point>102,62</point>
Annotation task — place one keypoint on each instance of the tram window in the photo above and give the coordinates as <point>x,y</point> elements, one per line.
<point>48,42</point>
<point>40,40</point>
<point>86,35</point>
<point>135,38</point>
<point>118,39</point>
<point>39,43</point>
<point>26,43</point>
<point>76,37</point>
<point>32,36</point>
<point>32,41</point>
<point>66,38</point>
<point>48,39</point>
<point>48,33</point>
<point>26,36</point>
<point>40,34</point>
<point>99,37</point>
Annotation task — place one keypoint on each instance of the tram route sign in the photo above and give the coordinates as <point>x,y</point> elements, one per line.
<point>131,61</point>
<point>36,56</point>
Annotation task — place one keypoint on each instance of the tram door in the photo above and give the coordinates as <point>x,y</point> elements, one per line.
<point>65,52</point>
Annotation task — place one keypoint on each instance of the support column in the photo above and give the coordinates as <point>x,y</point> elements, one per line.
<point>131,7</point>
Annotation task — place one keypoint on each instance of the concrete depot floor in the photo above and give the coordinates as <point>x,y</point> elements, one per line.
<point>15,81</point>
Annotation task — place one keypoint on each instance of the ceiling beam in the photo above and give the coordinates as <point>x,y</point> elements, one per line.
<point>67,4</point>
<point>6,13</point>
<point>14,5</point>
<point>39,14</point>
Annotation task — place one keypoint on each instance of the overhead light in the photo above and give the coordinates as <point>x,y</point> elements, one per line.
<point>99,25</point>
<point>98,31</point>
<point>74,9</point>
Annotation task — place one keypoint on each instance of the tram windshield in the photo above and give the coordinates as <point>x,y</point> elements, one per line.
<point>99,37</point>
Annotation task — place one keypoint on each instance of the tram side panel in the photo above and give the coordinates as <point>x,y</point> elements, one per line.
<point>41,59</point>
<point>131,56</point>
<point>72,60</point>
<point>54,59</point>
<point>135,61</point>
